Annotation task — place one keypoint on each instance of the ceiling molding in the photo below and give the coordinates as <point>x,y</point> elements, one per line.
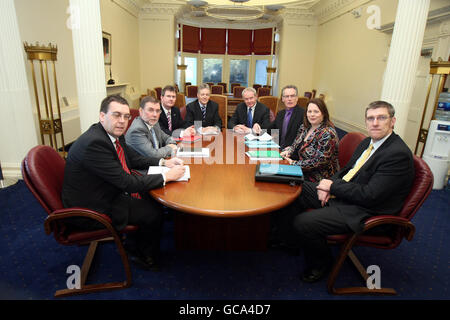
<point>327,10</point>
<point>133,7</point>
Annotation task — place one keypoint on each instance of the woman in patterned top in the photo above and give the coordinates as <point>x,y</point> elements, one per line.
<point>316,144</point>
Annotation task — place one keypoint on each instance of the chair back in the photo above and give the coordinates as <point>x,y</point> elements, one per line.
<point>134,113</point>
<point>237,91</point>
<point>421,188</point>
<point>224,85</point>
<point>303,102</point>
<point>210,84</point>
<point>185,86</point>
<point>264,91</point>
<point>234,84</point>
<point>308,94</point>
<point>180,102</point>
<point>158,91</point>
<point>217,89</point>
<point>191,91</point>
<point>271,102</point>
<point>347,146</point>
<point>257,86</point>
<point>183,112</point>
<point>314,91</point>
<point>43,173</point>
<point>222,101</point>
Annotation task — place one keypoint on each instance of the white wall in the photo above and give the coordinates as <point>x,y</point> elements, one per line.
<point>123,25</point>
<point>157,50</point>
<point>296,56</point>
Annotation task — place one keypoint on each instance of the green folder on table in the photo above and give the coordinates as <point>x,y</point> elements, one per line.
<point>264,155</point>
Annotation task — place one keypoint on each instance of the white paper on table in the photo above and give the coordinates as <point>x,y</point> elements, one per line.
<point>264,137</point>
<point>160,169</point>
<point>204,153</point>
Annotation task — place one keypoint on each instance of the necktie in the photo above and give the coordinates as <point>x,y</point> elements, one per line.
<point>121,155</point>
<point>154,140</point>
<point>169,120</point>
<point>203,111</point>
<point>358,164</point>
<point>249,118</point>
<point>287,117</point>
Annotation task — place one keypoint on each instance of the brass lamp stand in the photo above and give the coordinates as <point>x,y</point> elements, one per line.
<point>49,124</point>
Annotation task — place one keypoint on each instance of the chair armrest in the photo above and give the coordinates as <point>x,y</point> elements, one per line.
<point>389,219</point>
<point>76,212</point>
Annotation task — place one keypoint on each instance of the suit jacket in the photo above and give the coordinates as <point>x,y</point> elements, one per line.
<point>380,186</point>
<point>194,113</point>
<point>293,126</point>
<point>260,116</point>
<point>94,177</point>
<point>177,122</point>
<point>140,139</point>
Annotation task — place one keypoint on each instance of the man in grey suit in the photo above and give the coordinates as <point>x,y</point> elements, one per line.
<point>145,136</point>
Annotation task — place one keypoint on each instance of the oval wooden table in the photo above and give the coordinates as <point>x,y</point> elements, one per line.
<point>222,206</point>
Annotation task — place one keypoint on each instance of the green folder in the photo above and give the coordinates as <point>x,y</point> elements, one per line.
<point>264,154</point>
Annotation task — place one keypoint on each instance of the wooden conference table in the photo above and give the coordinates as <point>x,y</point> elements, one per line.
<point>222,206</point>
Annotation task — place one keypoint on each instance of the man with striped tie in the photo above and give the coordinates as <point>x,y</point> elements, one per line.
<point>98,176</point>
<point>376,180</point>
<point>203,113</point>
<point>170,119</point>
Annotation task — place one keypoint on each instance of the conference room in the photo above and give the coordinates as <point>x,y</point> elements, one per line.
<point>347,53</point>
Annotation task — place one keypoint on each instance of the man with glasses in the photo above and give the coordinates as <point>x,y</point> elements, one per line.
<point>288,120</point>
<point>98,176</point>
<point>250,115</point>
<point>375,181</point>
<point>145,136</point>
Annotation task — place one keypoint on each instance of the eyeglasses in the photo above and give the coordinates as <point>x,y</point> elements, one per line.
<point>379,118</point>
<point>154,111</point>
<point>118,115</point>
<point>292,96</point>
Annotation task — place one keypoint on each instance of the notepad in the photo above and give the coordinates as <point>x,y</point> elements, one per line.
<point>193,152</point>
<point>264,155</point>
<point>264,137</point>
<point>256,144</point>
<point>160,169</point>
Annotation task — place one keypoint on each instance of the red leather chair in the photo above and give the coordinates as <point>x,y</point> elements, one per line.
<point>264,91</point>
<point>43,173</point>
<point>237,91</point>
<point>191,91</point>
<point>158,92</point>
<point>224,85</point>
<point>134,113</point>
<point>217,89</point>
<point>404,228</point>
<point>183,112</point>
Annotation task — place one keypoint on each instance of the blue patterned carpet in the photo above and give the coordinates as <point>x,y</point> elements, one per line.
<point>33,265</point>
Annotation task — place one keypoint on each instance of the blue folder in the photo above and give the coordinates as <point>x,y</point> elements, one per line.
<point>282,169</point>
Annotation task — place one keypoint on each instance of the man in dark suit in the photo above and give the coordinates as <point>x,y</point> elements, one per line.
<point>170,120</point>
<point>250,115</point>
<point>288,120</point>
<point>376,180</point>
<point>203,113</point>
<point>97,176</point>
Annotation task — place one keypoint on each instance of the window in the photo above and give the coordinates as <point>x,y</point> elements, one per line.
<point>261,72</point>
<point>212,70</point>
<point>191,71</point>
<point>239,70</point>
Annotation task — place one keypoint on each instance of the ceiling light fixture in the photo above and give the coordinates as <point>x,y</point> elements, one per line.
<point>235,12</point>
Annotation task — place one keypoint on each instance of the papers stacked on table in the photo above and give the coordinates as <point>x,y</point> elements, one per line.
<point>272,155</point>
<point>160,169</point>
<point>187,151</point>
<point>264,137</point>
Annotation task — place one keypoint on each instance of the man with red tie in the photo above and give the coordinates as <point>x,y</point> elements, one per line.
<point>97,176</point>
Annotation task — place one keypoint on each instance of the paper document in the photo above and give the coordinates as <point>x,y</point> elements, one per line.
<point>264,137</point>
<point>256,144</point>
<point>264,155</point>
<point>193,152</point>
<point>159,169</point>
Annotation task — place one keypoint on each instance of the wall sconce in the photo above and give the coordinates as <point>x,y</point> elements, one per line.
<point>181,66</point>
<point>271,69</point>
